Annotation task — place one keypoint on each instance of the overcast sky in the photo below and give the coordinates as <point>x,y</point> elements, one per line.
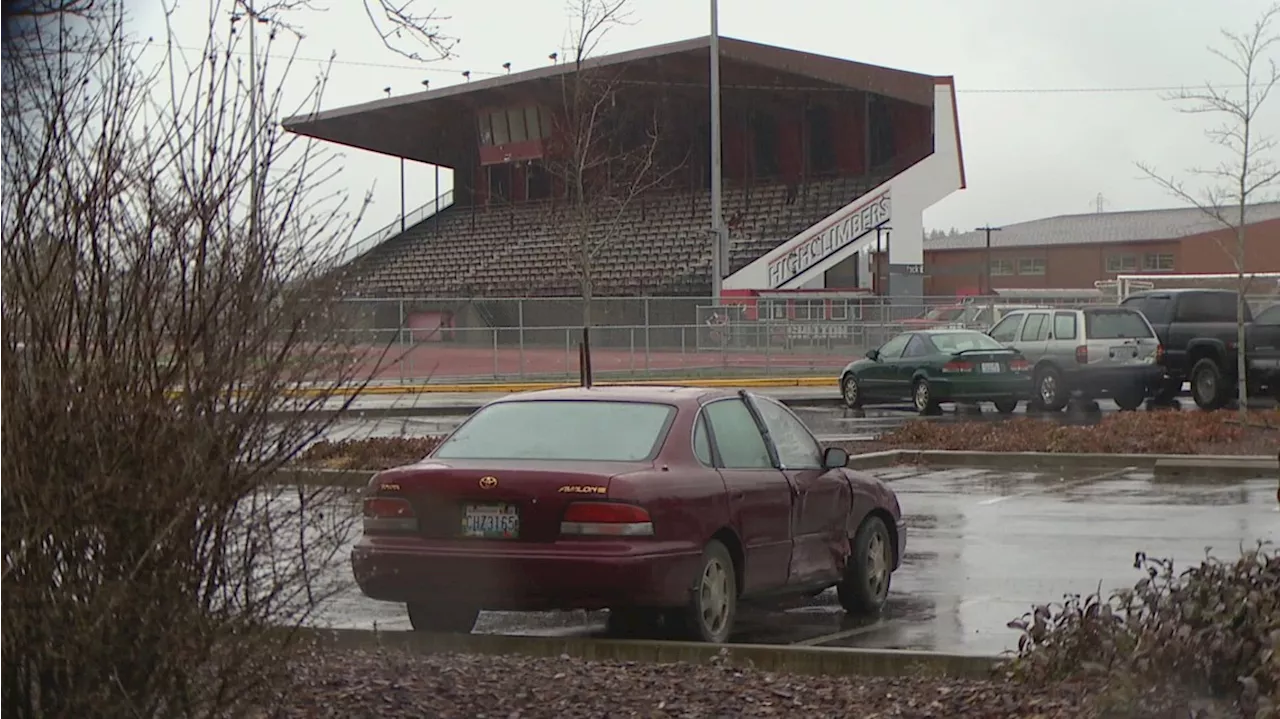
<point>1057,101</point>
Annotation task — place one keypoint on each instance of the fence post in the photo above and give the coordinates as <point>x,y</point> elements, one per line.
<point>646,334</point>
<point>568,341</point>
<point>400,325</point>
<point>632,354</point>
<point>520,324</point>
<point>495,352</point>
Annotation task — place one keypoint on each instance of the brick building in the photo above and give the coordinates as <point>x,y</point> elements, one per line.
<point>1074,251</point>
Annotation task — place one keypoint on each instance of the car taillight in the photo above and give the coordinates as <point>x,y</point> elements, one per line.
<point>389,514</point>
<point>606,519</point>
<point>1019,365</point>
<point>1159,354</point>
<point>957,366</point>
<point>1082,354</point>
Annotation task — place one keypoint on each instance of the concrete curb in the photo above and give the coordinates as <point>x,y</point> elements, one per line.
<point>510,387</point>
<point>1163,465</point>
<point>781,658</point>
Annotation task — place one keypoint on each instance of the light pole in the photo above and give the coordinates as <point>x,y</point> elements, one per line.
<point>717,214</point>
<point>388,91</point>
<point>254,20</point>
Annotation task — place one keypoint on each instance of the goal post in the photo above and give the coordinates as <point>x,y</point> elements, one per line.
<point>1261,286</point>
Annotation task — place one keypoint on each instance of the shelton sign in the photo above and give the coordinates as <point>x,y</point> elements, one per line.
<point>829,240</point>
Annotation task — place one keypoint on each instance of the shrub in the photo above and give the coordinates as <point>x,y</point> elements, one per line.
<point>1211,631</point>
<point>1124,432</point>
<point>367,453</point>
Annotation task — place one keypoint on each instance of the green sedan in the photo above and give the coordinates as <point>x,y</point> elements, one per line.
<point>929,367</point>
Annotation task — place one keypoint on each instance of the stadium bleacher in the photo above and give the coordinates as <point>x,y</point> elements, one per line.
<point>661,244</point>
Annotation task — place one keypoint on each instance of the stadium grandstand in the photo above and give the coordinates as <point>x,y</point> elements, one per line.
<point>825,162</point>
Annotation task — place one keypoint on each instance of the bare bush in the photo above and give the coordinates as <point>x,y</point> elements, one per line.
<point>164,246</point>
<point>1211,632</point>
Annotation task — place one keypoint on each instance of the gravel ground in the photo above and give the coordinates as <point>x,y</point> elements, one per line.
<point>394,684</point>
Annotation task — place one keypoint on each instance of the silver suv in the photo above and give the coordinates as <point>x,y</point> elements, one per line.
<point>1090,352</point>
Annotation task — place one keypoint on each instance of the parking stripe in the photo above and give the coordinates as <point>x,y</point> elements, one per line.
<point>1064,485</point>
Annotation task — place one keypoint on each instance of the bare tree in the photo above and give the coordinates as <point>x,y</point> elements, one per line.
<point>409,32</point>
<point>1249,168</point>
<point>163,287</point>
<point>608,150</point>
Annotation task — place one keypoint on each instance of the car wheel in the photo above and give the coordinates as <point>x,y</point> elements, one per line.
<point>865,585</point>
<point>447,618</point>
<point>1048,386</point>
<point>851,392</point>
<point>922,397</point>
<point>1006,406</point>
<point>1129,400</point>
<point>709,616</point>
<point>1208,387</point>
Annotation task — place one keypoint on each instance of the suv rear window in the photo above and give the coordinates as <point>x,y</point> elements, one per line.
<point>1115,325</point>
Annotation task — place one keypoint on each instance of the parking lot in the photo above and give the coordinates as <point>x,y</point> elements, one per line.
<point>983,547</point>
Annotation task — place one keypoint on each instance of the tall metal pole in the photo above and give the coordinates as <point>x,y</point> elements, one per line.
<point>402,194</point>
<point>253,123</point>
<point>717,215</point>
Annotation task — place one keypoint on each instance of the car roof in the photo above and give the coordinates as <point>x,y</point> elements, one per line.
<point>945,331</point>
<point>683,396</point>
<point>1179,291</point>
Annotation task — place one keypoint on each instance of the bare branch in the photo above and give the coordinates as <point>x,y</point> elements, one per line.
<point>409,33</point>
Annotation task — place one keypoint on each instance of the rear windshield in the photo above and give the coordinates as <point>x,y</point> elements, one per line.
<point>1115,324</point>
<point>963,341</point>
<point>561,429</point>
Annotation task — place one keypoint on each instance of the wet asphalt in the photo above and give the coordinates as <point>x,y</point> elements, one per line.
<point>983,547</point>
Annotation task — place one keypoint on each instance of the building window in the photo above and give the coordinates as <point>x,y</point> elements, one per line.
<point>1122,263</point>
<point>1001,268</point>
<point>839,310</point>
<point>1031,266</point>
<point>1157,262</point>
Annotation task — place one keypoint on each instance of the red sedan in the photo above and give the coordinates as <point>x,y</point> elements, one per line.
<point>666,505</point>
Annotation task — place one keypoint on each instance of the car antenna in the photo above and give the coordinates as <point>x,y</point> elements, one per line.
<point>584,358</point>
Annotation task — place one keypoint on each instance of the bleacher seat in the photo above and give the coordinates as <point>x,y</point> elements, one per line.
<point>660,245</point>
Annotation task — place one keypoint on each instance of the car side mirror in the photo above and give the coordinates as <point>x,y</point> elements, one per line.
<point>873,355</point>
<point>835,458</point>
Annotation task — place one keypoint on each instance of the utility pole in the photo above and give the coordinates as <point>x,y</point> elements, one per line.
<point>987,274</point>
<point>254,19</point>
<point>717,213</point>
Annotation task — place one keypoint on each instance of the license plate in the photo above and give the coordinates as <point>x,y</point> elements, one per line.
<point>1124,352</point>
<point>490,521</point>
<point>991,367</point>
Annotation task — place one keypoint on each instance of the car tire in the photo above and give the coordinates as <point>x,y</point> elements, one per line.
<point>1208,387</point>
<point>713,603</point>
<point>865,585</point>
<point>1129,400</point>
<point>922,397</point>
<point>1006,406</point>
<point>850,392</point>
<point>443,618</point>
<point>1049,389</point>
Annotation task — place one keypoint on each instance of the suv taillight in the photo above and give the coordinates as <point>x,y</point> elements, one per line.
<point>1082,354</point>
<point>389,514</point>
<point>606,519</point>
<point>1159,354</point>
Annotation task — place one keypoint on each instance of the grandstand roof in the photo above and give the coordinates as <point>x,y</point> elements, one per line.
<point>1102,228</point>
<point>438,126</point>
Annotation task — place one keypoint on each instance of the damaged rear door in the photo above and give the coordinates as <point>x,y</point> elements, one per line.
<point>821,498</point>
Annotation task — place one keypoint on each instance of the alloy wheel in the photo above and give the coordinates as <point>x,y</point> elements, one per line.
<point>877,565</point>
<point>714,595</point>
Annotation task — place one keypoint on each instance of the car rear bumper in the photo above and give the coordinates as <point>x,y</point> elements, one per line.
<point>1114,380</point>
<point>984,388</point>
<point>501,575</point>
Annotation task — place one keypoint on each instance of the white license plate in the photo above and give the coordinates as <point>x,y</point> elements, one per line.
<point>491,521</point>
<point>991,367</point>
<point>1124,352</point>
